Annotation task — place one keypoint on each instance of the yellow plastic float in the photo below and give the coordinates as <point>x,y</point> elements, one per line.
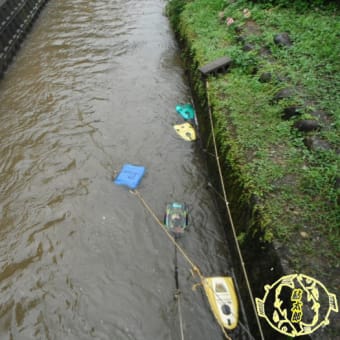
<point>222,298</point>
<point>186,131</point>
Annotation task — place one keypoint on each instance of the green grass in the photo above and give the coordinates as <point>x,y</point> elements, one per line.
<point>296,186</point>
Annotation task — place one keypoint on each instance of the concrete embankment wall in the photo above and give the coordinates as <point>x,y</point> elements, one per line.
<point>16,19</point>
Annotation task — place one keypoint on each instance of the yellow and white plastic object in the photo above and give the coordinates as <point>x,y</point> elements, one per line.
<point>186,131</point>
<point>222,299</point>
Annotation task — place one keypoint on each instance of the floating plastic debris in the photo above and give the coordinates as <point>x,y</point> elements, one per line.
<point>186,111</point>
<point>186,131</point>
<point>176,218</point>
<point>130,175</point>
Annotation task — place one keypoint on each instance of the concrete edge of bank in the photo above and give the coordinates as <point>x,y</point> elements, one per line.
<point>16,20</point>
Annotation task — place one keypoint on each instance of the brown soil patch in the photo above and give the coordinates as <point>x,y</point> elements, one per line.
<point>251,27</point>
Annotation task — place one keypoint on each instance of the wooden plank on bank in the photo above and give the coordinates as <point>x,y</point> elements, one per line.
<point>218,66</point>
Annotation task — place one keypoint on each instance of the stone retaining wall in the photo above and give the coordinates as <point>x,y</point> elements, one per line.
<point>16,19</point>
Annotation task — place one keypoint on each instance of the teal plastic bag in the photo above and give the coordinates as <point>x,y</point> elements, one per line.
<point>186,111</point>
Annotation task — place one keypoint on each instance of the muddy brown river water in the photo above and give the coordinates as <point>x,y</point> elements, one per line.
<point>94,86</point>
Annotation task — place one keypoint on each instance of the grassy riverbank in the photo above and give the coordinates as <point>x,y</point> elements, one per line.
<point>277,119</point>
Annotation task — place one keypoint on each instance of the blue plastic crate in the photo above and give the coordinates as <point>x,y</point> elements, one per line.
<point>130,176</point>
